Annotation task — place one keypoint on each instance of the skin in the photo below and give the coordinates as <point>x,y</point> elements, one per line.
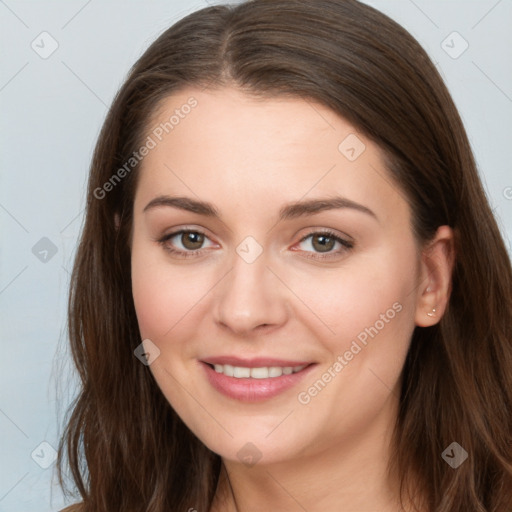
<point>249,157</point>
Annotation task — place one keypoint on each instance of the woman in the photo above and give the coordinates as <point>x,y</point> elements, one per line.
<point>290,292</point>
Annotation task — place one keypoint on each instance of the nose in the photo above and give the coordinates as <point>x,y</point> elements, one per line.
<point>251,298</point>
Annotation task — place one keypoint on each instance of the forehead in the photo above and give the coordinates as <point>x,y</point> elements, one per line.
<point>229,118</point>
<point>212,144</point>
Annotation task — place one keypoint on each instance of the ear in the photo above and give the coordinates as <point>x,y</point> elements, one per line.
<point>435,280</point>
<point>117,220</point>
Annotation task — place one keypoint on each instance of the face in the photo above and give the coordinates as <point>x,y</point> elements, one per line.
<point>302,261</point>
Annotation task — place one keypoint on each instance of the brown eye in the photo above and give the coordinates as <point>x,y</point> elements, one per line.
<point>322,243</point>
<point>185,243</point>
<point>192,240</point>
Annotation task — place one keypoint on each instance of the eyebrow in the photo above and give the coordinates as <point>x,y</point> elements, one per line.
<point>289,211</point>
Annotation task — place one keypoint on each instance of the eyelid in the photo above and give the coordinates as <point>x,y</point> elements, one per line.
<point>347,243</point>
<point>179,231</point>
<point>328,231</point>
<point>186,229</point>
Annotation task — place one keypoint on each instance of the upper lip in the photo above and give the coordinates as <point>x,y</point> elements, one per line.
<point>256,362</point>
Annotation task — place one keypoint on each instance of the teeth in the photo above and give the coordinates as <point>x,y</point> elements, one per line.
<point>241,372</point>
<point>259,373</point>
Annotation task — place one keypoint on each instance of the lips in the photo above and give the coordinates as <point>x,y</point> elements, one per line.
<point>256,362</point>
<point>245,388</point>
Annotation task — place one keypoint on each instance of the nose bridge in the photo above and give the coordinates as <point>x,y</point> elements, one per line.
<point>250,295</point>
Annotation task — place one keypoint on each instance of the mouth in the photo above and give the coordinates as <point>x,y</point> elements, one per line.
<point>262,372</point>
<point>255,380</point>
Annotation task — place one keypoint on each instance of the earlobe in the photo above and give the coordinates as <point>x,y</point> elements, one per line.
<point>117,221</point>
<point>435,282</point>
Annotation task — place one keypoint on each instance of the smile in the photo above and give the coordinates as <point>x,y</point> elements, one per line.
<point>266,372</point>
<point>254,383</point>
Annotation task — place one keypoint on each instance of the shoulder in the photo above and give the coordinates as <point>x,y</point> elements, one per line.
<point>77,507</point>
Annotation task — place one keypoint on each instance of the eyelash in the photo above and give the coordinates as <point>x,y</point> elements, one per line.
<point>190,254</point>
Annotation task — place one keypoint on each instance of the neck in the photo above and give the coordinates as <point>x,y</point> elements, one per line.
<point>350,475</point>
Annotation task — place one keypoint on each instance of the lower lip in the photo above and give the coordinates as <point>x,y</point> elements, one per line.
<point>253,390</point>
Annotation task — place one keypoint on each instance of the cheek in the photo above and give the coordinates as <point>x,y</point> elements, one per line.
<point>377,333</point>
<point>166,297</point>
<point>154,294</point>
<point>374,294</point>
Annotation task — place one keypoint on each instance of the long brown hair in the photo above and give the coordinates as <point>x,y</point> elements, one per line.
<point>125,446</point>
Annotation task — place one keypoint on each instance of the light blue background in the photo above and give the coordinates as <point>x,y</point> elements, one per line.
<point>52,110</point>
